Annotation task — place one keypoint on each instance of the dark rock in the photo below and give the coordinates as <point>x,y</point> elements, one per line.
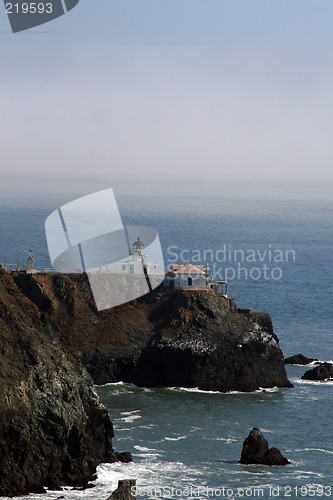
<point>244,311</point>
<point>256,451</point>
<point>254,448</point>
<point>34,290</point>
<point>190,338</point>
<point>299,359</point>
<point>234,352</point>
<point>53,429</point>
<point>274,457</point>
<point>323,371</point>
<point>124,456</point>
<point>124,491</point>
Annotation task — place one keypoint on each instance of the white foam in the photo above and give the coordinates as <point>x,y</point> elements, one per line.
<point>130,418</point>
<point>301,381</point>
<point>129,412</point>
<point>123,428</point>
<point>201,391</point>
<point>111,384</point>
<point>146,455</point>
<point>225,440</point>
<point>115,384</point>
<point>175,439</point>
<point>306,474</point>
<point>144,448</point>
<point>190,389</point>
<point>322,450</point>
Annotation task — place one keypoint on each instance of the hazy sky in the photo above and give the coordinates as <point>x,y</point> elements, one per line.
<point>171,90</point>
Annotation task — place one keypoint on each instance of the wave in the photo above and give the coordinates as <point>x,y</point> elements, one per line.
<point>121,429</point>
<point>175,438</point>
<point>108,384</point>
<point>189,389</point>
<point>322,450</point>
<point>306,474</point>
<point>129,412</point>
<point>201,391</point>
<point>301,381</point>
<point>146,453</point>
<point>129,419</point>
<point>312,364</point>
<point>144,448</point>
<point>225,440</point>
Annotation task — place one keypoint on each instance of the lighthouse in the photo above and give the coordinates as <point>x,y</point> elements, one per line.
<point>139,263</point>
<point>137,250</point>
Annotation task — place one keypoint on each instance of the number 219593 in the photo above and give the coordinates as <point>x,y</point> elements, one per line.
<point>29,8</point>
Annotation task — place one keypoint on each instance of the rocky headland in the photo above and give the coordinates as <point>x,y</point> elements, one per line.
<point>179,338</point>
<point>53,429</point>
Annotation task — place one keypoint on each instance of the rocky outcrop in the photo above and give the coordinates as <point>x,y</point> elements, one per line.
<point>323,371</point>
<point>256,451</point>
<point>124,491</point>
<point>181,338</point>
<point>53,429</point>
<point>124,456</point>
<point>299,359</point>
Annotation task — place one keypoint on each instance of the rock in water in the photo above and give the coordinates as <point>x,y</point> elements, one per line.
<point>299,359</point>
<point>53,429</point>
<point>254,448</point>
<point>323,371</point>
<point>124,491</point>
<point>275,457</point>
<point>256,451</point>
<point>124,456</point>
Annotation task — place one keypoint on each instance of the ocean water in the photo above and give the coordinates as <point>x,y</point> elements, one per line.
<point>276,248</point>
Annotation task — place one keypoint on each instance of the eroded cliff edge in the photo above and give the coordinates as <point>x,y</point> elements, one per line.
<point>178,338</point>
<point>53,429</point>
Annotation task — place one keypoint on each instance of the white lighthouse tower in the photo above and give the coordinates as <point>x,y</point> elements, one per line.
<point>137,261</point>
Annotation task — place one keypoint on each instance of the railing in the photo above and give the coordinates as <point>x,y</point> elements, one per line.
<point>11,268</point>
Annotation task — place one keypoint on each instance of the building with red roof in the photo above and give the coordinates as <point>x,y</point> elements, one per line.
<point>187,276</point>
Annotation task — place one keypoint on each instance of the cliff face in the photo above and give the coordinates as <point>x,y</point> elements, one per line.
<point>182,338</point>
<point>53,429</point>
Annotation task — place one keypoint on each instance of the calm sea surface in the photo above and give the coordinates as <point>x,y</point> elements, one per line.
<point>277,253</point>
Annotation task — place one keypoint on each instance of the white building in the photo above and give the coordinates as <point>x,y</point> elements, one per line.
<point>138,259</point>
<point>187,276</point>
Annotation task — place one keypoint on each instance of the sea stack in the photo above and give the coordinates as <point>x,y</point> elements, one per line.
<point>256,451</point>
<point>323,371</point>
<point>299,359</point>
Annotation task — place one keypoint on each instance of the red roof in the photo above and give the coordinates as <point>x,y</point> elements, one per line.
<point>187,269</point>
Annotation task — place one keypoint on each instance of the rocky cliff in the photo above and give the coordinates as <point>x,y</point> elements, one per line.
<point>53,429</point>
<point>179,338</point>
